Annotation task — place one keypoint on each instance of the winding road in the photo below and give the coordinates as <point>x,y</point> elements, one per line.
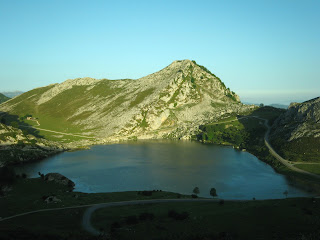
<point>285,162</point>
<point>62,133</point>
<point>86,220</point>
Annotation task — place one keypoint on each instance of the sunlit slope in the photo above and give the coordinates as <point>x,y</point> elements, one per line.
<point>170,103</point>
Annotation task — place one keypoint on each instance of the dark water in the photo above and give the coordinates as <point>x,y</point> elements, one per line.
<point>176,166</point>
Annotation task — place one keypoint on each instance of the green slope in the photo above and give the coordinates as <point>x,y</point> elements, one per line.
<point>3,98</point>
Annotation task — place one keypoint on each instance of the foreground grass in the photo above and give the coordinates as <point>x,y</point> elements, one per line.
<point>265,219</point>
<point>28,195</point>
<point>268,219</point>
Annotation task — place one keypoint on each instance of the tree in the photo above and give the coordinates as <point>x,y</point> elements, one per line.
<point>196,190</point>
<point>213,192</point>
<point>286,193</point>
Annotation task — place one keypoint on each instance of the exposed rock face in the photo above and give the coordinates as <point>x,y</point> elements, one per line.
<point>171,103</point>
<point>59,178</point>
<point>300,120</point>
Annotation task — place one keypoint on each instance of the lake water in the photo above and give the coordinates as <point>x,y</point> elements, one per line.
<point>176,166</point>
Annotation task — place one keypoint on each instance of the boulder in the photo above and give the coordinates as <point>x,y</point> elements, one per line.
<point>52,199</point>
<point>59,178</point>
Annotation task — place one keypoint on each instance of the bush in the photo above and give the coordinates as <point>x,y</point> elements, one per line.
<point>146,193</point>
<point>194,196</point>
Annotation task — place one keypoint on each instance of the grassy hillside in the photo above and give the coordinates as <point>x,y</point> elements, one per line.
<point>3,98</point>
<point>305,149</point>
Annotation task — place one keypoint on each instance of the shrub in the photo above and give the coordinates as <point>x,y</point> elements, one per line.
<point>196,190</point>
<point>146,193</point>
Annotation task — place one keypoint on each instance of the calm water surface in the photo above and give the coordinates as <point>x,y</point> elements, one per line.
<point>176,166</point>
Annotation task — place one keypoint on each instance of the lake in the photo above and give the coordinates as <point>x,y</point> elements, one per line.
<point>176,166</point>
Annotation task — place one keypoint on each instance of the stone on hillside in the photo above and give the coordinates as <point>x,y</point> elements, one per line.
<point>59,178</point>
<point>52,199</point>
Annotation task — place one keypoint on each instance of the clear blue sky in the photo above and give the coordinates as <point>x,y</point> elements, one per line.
<point>266,51</point>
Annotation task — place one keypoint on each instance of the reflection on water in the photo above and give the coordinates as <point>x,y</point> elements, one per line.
<point>176,166</point>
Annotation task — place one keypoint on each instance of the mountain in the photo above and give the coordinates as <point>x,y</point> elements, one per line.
<point>3,98</point>
<point>12,94</point>
<point>170,103</point>
<point>296,133</point>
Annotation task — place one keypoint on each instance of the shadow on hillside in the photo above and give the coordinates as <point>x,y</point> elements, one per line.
<point>254,123</point>
<point>267,112</point>
<point>14,121</point>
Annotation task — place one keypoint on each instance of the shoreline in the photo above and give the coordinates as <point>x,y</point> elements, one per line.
<point>296,179</point>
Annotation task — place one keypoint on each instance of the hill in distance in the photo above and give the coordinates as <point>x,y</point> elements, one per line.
<point>170,103</point>
<point>3,98</point>
<point>12,94</point>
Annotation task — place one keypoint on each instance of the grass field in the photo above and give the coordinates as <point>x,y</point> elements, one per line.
<point>269,219</point>
<point>313,168</point>
<point>27,195</point>
<point>266,219</point>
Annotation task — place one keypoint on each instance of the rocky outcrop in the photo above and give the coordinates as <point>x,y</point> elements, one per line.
<point>52,199</point>
<point>60,179</point>
<point>300,120</point>
<point>17,146</point>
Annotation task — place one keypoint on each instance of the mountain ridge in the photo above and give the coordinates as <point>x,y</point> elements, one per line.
<point>182,96</point>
